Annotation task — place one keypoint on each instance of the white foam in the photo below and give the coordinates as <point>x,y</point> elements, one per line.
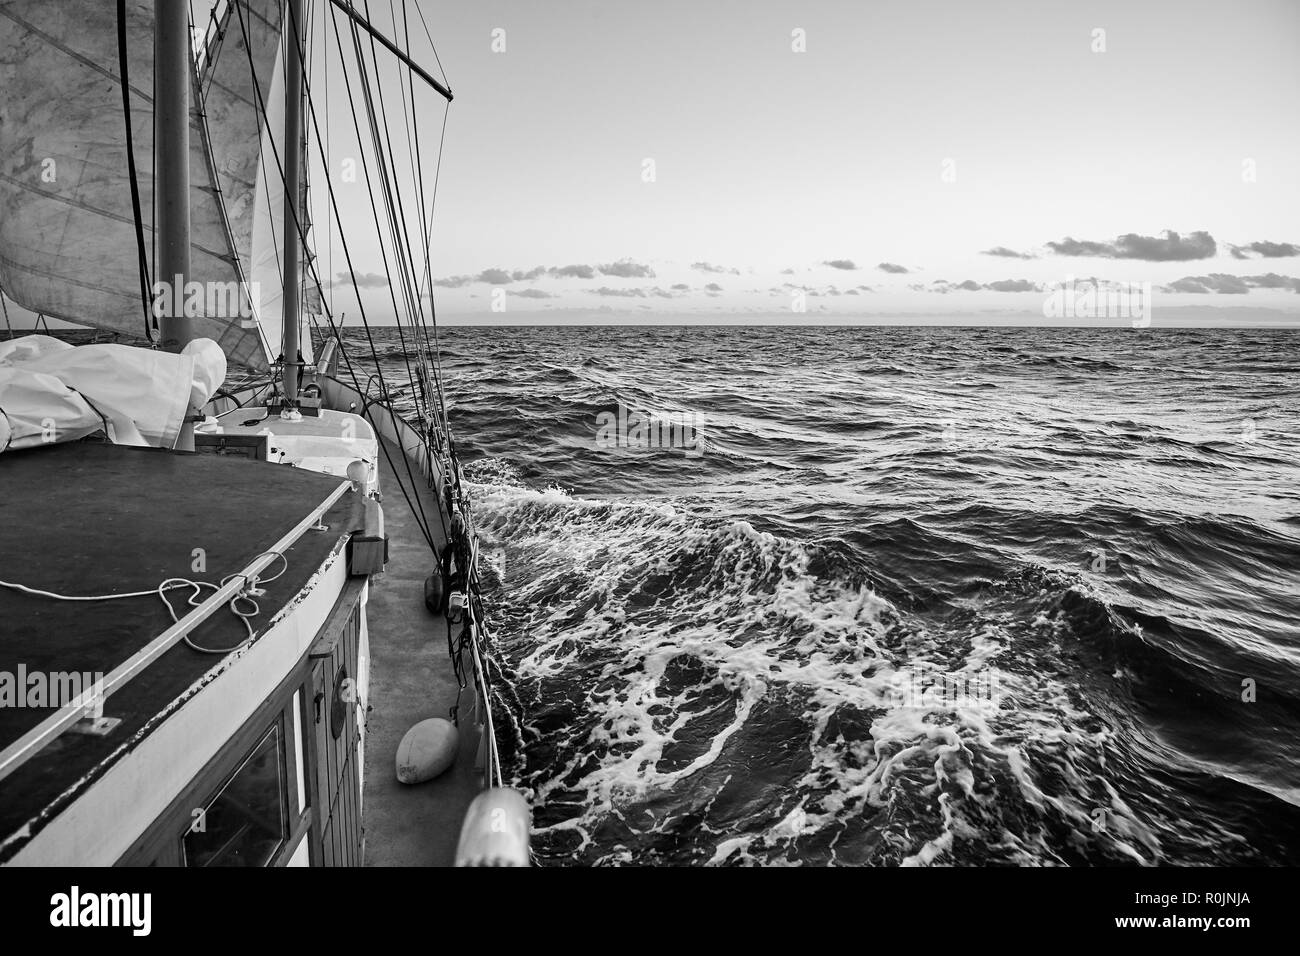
<point>638,585</point>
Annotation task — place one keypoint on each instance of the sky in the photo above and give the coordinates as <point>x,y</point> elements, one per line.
<point>915,136</point>
<point>753,160</point>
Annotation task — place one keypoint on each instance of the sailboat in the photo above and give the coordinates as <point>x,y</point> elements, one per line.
<point>231,616</point>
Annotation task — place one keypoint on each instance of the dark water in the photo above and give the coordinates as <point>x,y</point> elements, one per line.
<point>957,596</point>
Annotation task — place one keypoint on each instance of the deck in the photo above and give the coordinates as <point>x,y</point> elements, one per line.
<point>411,680</point>
<point>91,519</point>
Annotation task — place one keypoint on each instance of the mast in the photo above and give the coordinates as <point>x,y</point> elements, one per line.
<point>292,194</point>
<point>172,177</point>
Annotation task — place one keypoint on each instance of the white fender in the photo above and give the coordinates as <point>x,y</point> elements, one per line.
<point>495,831</point>
<point>427,750</point>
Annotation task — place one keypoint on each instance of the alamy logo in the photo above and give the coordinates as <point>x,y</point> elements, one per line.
<point>24,688</point>
<point>628,428</point>
<point>1099,299</point>
<point>200,299</point>
<point>930,687</point>
<point>133,910</point>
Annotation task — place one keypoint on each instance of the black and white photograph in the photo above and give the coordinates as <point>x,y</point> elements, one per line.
<point>713,434</point>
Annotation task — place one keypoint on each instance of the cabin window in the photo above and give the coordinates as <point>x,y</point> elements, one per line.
<point>247,821</point>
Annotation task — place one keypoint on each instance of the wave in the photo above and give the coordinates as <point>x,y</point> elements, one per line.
<point>690,674</point>
<point>746,656</point>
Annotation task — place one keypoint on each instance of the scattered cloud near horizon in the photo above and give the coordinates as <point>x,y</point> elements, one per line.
<point>970,285</point>
<point>710,267</point>
<point>362,280</point>
<point>622,269</point>
<point>626,269</point>
<point>686,296</point>
<point>1265,250</point>
<point>1222,284</point>
<point>1170,248</point>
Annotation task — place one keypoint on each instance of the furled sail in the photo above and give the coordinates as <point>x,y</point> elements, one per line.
<point>242,85</point>
<point>67,230</point>
<point>51,391</point>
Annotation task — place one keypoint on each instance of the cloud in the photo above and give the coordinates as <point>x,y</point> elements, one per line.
<point>495,277</point>
<point>892,268</point>
<point>681,287</point>
<point>1267,250</point>
<point>362,280</point>
<point>1220,284</point>
<point>713,287</point>
<point>571,272</point>
<point>528,276</point>
<point>970,285</point>
<point>1171,248</point>
<point>1012,285</point>
<point>627,269</point>
<point>710,267</point>
<point>633,293</point>
<point>1274,281</point>
<point>1005,253</point>
<point>453,282</point>
<point>533,294</point>
<point>848,265</point>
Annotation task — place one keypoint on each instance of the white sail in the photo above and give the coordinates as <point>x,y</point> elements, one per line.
<point>243,76</point>
<point>67,229</point>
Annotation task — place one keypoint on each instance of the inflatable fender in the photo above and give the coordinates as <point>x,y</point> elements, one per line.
<point>427,750</point>
<point>495,831</point>
<point>433,592</point>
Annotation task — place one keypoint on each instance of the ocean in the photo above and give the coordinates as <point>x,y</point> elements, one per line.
<point>891,595</point>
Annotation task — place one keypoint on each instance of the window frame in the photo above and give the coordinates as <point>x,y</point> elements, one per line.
<point>161,844</point>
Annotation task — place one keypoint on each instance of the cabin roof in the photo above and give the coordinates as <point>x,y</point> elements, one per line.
<point>94,519</point>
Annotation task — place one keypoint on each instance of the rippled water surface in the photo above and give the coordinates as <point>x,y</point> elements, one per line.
<point>951,596</point>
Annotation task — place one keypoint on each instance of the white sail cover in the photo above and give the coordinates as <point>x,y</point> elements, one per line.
<point>67,230</point>
<point>54,392</point>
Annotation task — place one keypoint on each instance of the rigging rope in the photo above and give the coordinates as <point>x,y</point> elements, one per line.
<point>417,509</point>
<point>145,281</point>
<point>398,233</point>
<point>385,187</point>
<point>5,308</point>
<point>426,230</point>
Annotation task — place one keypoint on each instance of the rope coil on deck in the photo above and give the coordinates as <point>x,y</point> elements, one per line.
<point>172,584</point>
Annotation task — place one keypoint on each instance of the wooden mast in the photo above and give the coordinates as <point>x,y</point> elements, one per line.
<point>172,177</point>
<point>293,31</point>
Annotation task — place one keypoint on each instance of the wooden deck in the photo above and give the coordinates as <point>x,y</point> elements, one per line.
<point>411,680</point>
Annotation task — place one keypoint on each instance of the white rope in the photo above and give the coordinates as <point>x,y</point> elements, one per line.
<point>195,600</point>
